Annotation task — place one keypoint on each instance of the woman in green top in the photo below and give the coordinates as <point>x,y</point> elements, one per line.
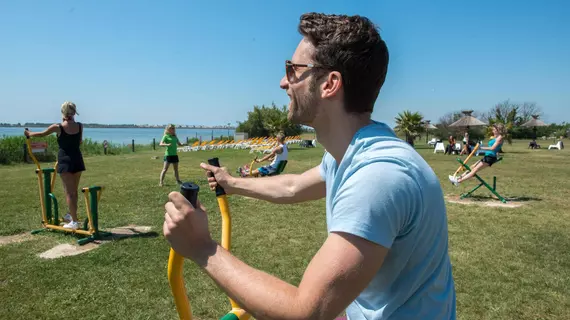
<point>171,142</point>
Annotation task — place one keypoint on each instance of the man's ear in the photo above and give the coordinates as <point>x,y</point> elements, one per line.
<point>331,85</point>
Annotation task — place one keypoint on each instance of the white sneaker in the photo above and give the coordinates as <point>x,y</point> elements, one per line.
<point>67,217</point>
<point>453,180</point>
<point>72,225</point>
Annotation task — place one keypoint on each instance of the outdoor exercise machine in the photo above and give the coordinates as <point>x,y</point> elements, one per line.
<point>50,208</point>
<point>175,261</point>
<point>463,166</point>
<point>249,171</point>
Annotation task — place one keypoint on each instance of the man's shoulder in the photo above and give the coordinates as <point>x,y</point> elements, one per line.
<point>385,157</point>
<point>386,149</point>
<point>375,150</point>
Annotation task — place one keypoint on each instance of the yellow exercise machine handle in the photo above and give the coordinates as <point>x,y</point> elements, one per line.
<point>468,157</point>
<point>31,154</point>
<point>237,311</point>
<point>176,261</point>
<point>39,172</point>
<point>251,167</point>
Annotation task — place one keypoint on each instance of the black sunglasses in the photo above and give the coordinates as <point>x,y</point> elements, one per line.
<point>290,68</point>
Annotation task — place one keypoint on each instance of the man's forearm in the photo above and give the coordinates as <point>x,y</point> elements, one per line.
<point>276,189</point>
<point>262,295</point>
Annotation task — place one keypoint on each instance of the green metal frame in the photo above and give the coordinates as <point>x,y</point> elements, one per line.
<point>483,183</point>
<point>229,316</point>
<point>94,205</point>
<point>52,212</point>
<point>49,199</point>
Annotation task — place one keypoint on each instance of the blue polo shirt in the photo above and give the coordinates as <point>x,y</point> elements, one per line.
<point>385,192</point>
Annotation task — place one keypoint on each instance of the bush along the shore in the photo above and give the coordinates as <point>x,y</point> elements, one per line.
<point>12,149</point>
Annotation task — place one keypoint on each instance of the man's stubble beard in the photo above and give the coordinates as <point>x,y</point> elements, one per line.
<point>304,108</point>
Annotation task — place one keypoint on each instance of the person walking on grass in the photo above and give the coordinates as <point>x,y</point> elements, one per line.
<point>386,253</point>
<point>70,163</point>
<point>171,142</point>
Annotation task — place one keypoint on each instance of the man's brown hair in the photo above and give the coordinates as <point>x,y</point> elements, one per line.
<point>352,46</point>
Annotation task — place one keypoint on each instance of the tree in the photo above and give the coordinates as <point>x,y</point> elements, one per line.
<point>512,115</point>
<point>515,113</point>
<point>444,129</point>
<point>268,121</point>
<point>527,110</point>
<point>410,124</point>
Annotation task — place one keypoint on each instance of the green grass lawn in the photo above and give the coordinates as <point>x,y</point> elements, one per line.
<point>509,263</point>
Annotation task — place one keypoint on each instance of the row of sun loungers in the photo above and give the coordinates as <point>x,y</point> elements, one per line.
<point>262,144</point>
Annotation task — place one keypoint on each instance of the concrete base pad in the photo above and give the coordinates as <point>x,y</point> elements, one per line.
<point>66,249</point>
<point>488,202</point>
<point>4,240</point>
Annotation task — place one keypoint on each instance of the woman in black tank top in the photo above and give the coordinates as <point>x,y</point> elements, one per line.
<point>69,157</point>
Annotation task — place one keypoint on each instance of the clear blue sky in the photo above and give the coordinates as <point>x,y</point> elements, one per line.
<point>209,62</point>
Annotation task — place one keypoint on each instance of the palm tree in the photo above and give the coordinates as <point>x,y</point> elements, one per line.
<point>410,124</point>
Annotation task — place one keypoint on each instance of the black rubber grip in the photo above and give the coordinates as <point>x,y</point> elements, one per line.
<point>216,163</point>
<point>27,137</point>
<point>190,191</point>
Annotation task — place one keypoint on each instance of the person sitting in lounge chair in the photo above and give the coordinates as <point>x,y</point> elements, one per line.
<point>278,154</point>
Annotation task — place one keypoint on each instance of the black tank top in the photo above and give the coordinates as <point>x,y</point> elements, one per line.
<point>69,143</point>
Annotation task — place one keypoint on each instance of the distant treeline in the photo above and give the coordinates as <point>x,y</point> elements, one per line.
<point>97,125</point>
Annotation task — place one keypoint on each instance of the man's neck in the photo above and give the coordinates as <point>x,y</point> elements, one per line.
<point>336,133</point>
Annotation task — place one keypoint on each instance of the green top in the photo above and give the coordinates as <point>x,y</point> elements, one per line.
<point>172,148</point>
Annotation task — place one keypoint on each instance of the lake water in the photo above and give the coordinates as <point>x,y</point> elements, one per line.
<point>126,135</point>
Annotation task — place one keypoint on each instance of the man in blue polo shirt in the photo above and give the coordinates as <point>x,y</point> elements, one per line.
<point>386,254</point>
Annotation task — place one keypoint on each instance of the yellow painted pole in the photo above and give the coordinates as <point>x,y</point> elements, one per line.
<point>251,167</point>
<point>176,280</point>
<point>88,209</point>
<point>176,261</point>
<point>469,157</point>
<point>59,228</point>
<point>227,233</point>
<point>241,314</point>
<point>176,264</point>
<point>226,229</point>
<point>38,163</point>
<point>31,154</point>
<point>39,172</point>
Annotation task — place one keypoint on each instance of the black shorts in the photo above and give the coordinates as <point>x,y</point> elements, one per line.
<point>70,164</point>
<point>489,160</point>
<point>171,159</point>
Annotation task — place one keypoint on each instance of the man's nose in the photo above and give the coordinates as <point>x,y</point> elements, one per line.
<point>284,84</point>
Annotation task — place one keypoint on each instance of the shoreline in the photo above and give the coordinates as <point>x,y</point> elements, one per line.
<point>98,126</point>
